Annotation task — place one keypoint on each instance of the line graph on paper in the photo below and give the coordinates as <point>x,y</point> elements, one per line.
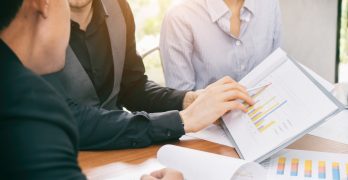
<point>266,114</point>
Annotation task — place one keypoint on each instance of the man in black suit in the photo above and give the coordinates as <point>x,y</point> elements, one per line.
<point>38,132</point>
<point>104,73</point>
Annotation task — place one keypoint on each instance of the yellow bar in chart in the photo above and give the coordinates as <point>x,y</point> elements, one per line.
<point>308,168</point>
<point>266,112</point>
<point>257,110</point>
<point>264,128</point>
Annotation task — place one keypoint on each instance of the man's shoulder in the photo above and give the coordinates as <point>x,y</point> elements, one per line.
<point>26,95</point>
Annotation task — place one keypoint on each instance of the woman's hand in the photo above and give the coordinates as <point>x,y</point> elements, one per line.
<point>213,102</point>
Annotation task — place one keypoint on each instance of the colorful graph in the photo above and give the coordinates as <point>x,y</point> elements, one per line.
<point>259,113</point>
<point>281,165</point>
<point>299,164</point>
<point>294,167</point>
<point>308,168</point>
<point>322,170</point>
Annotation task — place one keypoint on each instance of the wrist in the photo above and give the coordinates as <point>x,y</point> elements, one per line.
<point>185,117</point>
<point>188,99</point>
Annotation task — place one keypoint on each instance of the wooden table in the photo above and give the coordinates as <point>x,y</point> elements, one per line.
<point>94,162</point>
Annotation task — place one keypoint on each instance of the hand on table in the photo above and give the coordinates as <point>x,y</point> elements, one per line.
<point>213,102</point>
<point>164,174</point>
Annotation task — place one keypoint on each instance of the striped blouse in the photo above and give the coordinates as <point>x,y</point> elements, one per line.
<point>197,47</point>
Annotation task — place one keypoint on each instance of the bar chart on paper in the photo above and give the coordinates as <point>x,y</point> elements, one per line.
<point>296,164</point>
<point>284,109</point>
<point>262,112</point>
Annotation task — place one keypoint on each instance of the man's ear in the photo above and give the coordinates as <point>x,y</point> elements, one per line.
<point>42,7</point>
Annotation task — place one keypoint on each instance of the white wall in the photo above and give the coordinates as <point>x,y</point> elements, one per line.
<point>309,33</point>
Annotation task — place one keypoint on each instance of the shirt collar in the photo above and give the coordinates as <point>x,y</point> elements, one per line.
<point>218,8</point>
<point>99,15</point>
<point>250,5</point>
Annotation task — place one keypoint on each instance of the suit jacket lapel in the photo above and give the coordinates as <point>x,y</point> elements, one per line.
<point>83,91</point>
<point>117,32</point>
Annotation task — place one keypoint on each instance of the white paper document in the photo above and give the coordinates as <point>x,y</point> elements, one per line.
<point>124,171</point>
<point>214,133</point>
<point>297,164</point>
<point>201,165</point>
<point>335,129</point>
<point>285,110</point>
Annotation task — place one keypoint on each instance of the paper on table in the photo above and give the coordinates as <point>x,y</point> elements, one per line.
<point>201,165</point>
<point>298,164</point>
<point>335,129</point>
<point>121,171</point>
<point>213,133</point>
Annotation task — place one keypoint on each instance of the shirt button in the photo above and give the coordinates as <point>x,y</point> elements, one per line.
<point>169,133</point>
<point>238,43</point>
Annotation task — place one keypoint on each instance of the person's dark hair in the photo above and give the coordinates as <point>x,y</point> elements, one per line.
<point>8,10</point>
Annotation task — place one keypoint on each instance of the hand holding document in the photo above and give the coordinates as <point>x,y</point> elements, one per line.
<point>339,123</point>
<point>284,111</point>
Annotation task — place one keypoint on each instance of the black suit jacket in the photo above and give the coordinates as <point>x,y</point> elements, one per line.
<point>148,124</point>
<point>38,134</point>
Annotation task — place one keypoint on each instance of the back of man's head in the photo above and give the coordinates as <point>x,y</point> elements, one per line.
<point>37,31</point>
<point>8,11</point>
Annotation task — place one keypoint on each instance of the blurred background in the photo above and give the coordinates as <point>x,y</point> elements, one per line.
<point>149,15</point>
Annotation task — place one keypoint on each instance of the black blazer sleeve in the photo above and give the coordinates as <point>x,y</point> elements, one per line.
<point>137,92</point>
<point>118,129</point>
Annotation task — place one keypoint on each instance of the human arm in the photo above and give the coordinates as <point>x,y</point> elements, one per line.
<point>176,48</point>
<point>102,129</point>
<point>118,129</point>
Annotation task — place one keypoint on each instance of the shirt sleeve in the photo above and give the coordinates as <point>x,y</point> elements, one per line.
<point>278,26</point>
<point>137,92</point>
<point>176,47</point>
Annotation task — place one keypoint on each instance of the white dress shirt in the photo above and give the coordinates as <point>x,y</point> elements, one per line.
<point>197,47</point>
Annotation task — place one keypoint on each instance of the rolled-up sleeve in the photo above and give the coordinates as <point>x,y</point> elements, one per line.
<point>176,52</point>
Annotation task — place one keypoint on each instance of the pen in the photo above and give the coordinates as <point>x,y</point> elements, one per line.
<point>258,87</point>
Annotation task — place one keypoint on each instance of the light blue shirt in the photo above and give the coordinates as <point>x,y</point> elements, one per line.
<point>197,47</point>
